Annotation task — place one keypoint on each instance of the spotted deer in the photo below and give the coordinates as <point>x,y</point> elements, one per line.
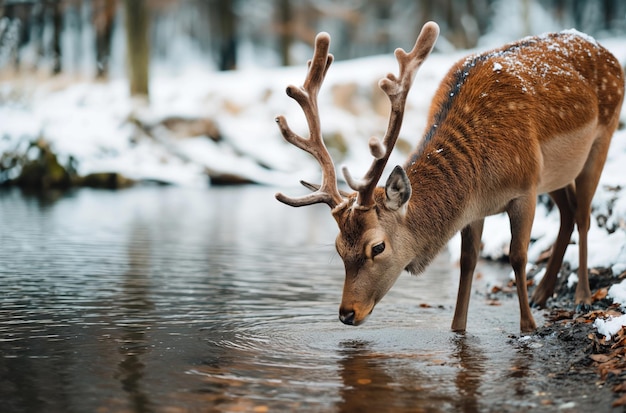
<point>532,117</point>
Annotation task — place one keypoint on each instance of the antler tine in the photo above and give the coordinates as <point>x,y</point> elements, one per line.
<point>397,89</point>
<point>306,96</point>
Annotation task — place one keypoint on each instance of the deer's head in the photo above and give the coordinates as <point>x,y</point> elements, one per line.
<point>374,241</point>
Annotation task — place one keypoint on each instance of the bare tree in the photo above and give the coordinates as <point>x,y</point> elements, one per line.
<point>224,23</point>
<point>138,54</point>
<point>18,13</point>
<point>57,25</point>
<point>103,17</point>
<point>285,30</point>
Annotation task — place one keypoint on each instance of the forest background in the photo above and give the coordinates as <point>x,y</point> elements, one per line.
<point>103,38</point>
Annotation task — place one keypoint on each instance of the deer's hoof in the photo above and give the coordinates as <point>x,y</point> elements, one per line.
<point>583,308</point>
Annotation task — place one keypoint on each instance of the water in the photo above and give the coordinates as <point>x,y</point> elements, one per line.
<point>223,300</point>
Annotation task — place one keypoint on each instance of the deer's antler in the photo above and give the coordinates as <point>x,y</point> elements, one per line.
<point>306,96</point>
<point>397,89</point>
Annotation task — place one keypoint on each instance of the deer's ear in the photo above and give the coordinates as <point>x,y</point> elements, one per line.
<point>397,189</point>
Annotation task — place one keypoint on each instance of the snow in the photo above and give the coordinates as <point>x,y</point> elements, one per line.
<point>618,293</point>
<point>539,276</point>
<point>585,36</point>
<point>610,326</point>
<point>95,124</point>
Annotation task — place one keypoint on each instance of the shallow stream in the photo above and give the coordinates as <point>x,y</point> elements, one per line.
<point>220,300</point>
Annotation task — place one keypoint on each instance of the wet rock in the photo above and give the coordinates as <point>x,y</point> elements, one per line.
<point>108,180</point>
<point>37,168</point>
<point>218,178</point>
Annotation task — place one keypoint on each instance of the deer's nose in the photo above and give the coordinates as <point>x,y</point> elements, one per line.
<point>346,316</point>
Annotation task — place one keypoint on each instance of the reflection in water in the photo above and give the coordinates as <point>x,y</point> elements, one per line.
<point>378,382</point>
<point>365,382</point>
<point>223,300</point>
<point>134,303</point>
<point>468,352</point>
<point>519,371</point>
<point>131,369</point>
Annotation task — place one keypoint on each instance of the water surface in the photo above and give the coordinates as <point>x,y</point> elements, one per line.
<point>220,300</point>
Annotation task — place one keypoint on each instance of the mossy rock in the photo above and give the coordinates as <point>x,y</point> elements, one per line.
<point>45,171</point>
<point>107,180</point>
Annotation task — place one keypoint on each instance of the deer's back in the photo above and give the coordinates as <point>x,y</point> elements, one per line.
<point>554,82</point>
<point>499,118</point>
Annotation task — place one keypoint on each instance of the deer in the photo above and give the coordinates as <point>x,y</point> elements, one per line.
<point>532,117</point>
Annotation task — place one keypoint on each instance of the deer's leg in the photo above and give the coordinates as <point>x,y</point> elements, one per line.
<point>586,184</point>
<point>521,213</point>
<point>470,248</point>
<point>564,198</point>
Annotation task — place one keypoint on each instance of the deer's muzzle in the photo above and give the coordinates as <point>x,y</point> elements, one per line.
<point>353,316</point>
<point>346,317</point>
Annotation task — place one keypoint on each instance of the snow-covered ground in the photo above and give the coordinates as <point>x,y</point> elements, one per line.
<point>98,126</point>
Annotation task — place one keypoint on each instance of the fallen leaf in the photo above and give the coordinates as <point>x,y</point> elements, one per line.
<point>605,373</point>
<point>618,388</point>
<point>620,402</point>
<point>600,294</point>
<point>600,358</point>
<point>558,315</point>
<point>621,343</point>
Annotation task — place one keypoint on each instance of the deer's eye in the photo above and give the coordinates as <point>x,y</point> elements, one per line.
<point>378,248</point>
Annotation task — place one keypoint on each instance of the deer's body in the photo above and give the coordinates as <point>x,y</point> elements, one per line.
<point>533,117</point>
<point>514,123</point>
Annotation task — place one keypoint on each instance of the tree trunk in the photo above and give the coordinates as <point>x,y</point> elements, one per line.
<point>103,16</point>
<point>227,25</point>
<point>57,20</point>
<point>285,17</point>
<point>137,46</point>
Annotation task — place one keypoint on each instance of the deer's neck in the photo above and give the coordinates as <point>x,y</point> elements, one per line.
<point>443,183</point>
